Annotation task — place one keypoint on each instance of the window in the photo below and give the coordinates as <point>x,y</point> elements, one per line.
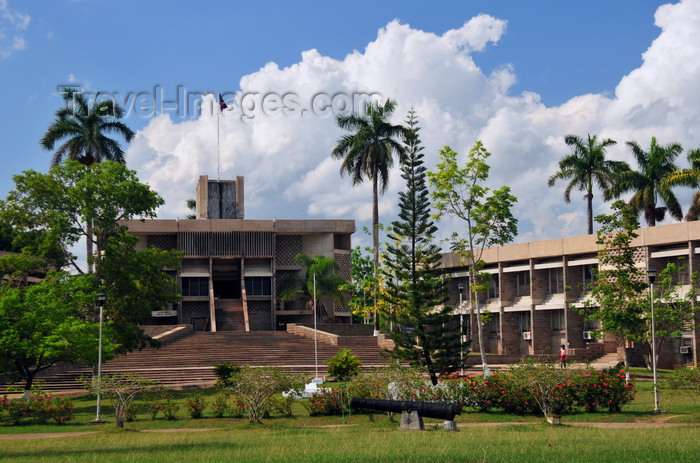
<point>493,287</point>
<point>258,286</point>
<point>556,280</point>
<point>523,283</point>
<point>558,321</point>
<point>680,276</point>
<point>494,326</point>
<point>588,276</point>
<point>195,286</point>
<point>524,321</point>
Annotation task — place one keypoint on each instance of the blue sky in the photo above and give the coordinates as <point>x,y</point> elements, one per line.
<point>518,75</point>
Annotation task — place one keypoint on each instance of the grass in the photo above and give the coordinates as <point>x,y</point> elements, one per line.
<point>366,438</point>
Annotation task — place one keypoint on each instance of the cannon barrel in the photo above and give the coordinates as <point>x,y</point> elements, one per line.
<point>437,410</point>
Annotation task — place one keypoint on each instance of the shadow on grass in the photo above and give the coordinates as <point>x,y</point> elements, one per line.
<point>126,452</point>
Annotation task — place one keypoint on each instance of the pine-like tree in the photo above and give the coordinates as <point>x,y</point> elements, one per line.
<point>415,286</point>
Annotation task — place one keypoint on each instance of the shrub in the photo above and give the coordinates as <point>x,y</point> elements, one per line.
<point>121,390</point>
<point>256,386</point>
<point>684,380</point>
<point>155,409</point>
<point>46,407</point>
<point>17,409</point>
<point>281,405</point>
<point>237,407</point>
<point>221,404</point>
<point>224,373</point>
<point>344,365</point>
<point>170,407</point>
<point>329,401</point>
<point>196,405</point>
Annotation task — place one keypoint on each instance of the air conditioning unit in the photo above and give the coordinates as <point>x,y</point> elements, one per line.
<point>685,349</point>
<point>527,335</point>
<point>587,335</point>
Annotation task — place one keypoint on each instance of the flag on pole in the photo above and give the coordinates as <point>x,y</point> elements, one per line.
<point>222,104</point>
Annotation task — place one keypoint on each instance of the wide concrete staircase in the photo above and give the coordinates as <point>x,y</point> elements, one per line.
<point>229,315</point>
<point>189,360</point>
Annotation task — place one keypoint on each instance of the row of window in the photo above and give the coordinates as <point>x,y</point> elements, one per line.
<point>199,286</point>
<point>555,279</point>
<point>557,318</point>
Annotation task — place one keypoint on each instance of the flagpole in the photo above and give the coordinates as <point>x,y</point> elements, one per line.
<point>218,148</point>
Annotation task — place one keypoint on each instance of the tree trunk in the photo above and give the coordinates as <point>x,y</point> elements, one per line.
<point>88,244</point>
<point>589,200</point>
<point>482,351</point>
<point>375,243</point>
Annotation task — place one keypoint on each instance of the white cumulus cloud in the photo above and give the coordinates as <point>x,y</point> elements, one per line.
<point>282,144</point>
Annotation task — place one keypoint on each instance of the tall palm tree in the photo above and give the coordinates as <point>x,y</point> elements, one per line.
<point>649,184</point>
<point>689,177</point>
<point>368,153</point>
<point>83,130</point>
<point>587,166</point>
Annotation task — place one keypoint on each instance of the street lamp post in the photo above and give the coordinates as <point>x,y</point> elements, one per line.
<point>651,274</point>
<point>98,419</point>
<point>460,287</point>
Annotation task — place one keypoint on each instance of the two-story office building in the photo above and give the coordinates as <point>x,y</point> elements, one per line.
<point>537,287</point>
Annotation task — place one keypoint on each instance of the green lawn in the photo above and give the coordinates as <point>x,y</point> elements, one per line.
<point>487,437</point>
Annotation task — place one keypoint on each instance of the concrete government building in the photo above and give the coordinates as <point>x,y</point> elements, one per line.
<point>232,268</point>
<point>536,288</point>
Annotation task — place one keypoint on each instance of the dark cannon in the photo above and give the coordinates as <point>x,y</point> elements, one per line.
<point>437,410</point>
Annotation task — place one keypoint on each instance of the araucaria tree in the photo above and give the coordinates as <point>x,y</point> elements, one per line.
<point>368,153</point>
<point>414,281</point>
<point>585,167</point>
<point>486,213</point>
<point>618,295</point>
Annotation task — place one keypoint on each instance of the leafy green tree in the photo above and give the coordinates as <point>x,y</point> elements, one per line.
<point>585,167</point>
<point>414,280</point>
<point>460,192</point>
<point>648,185</point>
<point>48,322</point>
<point>57,206</point>
<point>674,311</point>
<point>135,283</point>
<point>368,153</point>
<point>319,275</point>
<point>60,204</point>
<point>84,131</point>
<point>618,295</point>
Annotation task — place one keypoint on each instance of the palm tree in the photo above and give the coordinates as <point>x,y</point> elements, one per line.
<point>584,167</point>
<point>689,177</point>
<point>320,277</point>
<point>368,153</point>
<point>649,184</point>
<point>83,129</point>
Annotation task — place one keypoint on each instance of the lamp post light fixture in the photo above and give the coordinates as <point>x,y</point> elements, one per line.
<point>651,274</point>
<point>101,298</point>
<point>460,287</point>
